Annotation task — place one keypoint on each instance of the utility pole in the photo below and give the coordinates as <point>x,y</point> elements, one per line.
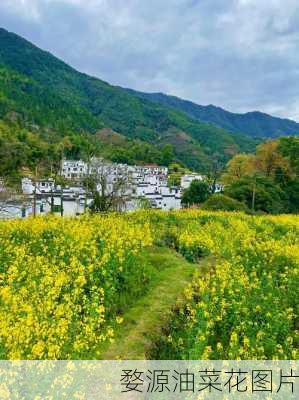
<point>52,201</point>
<point>61,201</point>
<point>253,195</point>
<point>34,193</point>
<point>61,186</point>
<point>86,185</point>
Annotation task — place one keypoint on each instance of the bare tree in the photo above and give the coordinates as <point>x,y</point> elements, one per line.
<point>109,186</point>
<point>214,171</point>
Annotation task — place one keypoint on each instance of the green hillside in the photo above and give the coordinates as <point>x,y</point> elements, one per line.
<point>66,109</point>
<point>254,124</point>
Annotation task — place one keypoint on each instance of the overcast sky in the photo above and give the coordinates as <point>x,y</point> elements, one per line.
<point>242,55</point>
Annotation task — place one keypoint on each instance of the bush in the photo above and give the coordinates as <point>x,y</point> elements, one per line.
<point>224,203</point>
<point>197,193</point>
<point>269,197</point>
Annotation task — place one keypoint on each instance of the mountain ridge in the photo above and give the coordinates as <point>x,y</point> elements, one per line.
<point>253,123</point>
<point>55,102</point>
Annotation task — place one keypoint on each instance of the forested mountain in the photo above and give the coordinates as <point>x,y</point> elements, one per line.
<point>254,124</point>
<point>47,107</point>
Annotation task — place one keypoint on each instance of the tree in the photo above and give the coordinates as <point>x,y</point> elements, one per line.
<point>108,185</point>
<point>267,181</point>
<point>221,202</point>
<point>292,191</point>
<point>175,172</point>
<point>143,203</point>
<point>197,193</point>
<point>239,166</point>
<point>167,154</point>
<point>258,193</point>
<point>289,148</point>
<point>214,171</point>
<point>269,159</point>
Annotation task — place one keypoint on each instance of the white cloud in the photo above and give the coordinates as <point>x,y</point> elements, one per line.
<point>26,9</point>
<point>239,54</point>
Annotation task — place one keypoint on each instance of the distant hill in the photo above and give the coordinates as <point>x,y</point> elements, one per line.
<point>47,97</point>
<point>254,124</point>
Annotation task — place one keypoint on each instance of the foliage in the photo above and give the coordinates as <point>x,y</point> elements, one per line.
<point>106,195</point>
<point>269,159</point>
<point>167,154</point>
<point>22,150</point>
<point>63,281</point>
<point>255,124</point>
<point>175,172</point>
<point>266,195</point>
<point>54,100</point>
<point>196,193</point>
<point>268,180</point>
<point>143,203</point>
<point>65,284</point>
<point>245,306</point>
<point>291,190</point>
<point>239,166</point>
<point>289,148</point>
<point>219,201</point>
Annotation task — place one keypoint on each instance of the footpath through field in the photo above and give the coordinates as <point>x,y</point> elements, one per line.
<point>143,323</point>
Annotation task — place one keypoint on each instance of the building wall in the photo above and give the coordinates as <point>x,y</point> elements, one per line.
<point>187,179</point>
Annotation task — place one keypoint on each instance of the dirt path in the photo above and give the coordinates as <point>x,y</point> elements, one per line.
<point>144,321</point>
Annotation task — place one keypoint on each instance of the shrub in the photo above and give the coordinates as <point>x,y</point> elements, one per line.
<point>224,203</point>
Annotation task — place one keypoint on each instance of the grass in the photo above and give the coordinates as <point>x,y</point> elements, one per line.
<point>144,321</point>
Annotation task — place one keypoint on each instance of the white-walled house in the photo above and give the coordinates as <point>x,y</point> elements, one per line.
<point>73,169</point>
<point>13,209</point>
<point>187,179</point>
<point>141,182</point>
<point>21,208</point>
<point>45,197</point>
<point>161,197</point>
<point>147,182</point>
<point>77,169</point>
<point>40,185</point>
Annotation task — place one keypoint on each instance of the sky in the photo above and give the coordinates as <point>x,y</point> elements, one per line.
<point>242,55</point>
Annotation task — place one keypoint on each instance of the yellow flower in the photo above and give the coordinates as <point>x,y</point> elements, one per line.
<point>119,320</point>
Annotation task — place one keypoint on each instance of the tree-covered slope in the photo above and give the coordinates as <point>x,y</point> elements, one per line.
<point>48,96</point>
<point>255,124</point>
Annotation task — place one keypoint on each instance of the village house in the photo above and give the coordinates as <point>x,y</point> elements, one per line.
<point>39,185</point>
<point>146,184</point>
<point>74,169</point>
<point>148,181</point>
<point>187,179</point>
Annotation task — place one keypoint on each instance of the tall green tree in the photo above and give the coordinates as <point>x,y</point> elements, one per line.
<point>167,154</point>
<point>197,193</point>
<point>259,193</point>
